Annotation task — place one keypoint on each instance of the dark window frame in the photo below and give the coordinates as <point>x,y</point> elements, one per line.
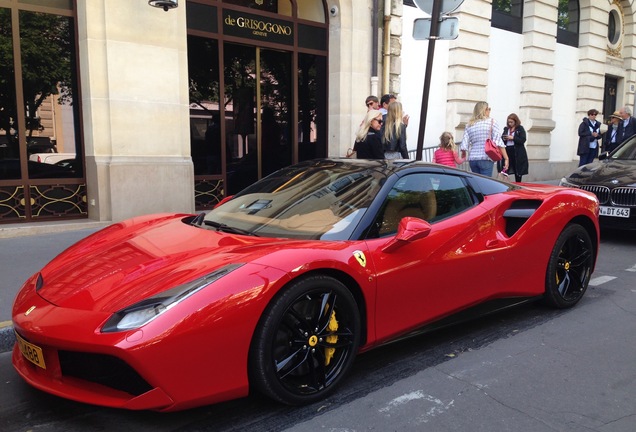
<point>510,21</point>
<point>570,36</point>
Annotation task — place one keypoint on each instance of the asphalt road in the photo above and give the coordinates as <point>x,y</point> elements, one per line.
<point>525,369</point>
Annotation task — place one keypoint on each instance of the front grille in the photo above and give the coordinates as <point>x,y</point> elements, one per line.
<point>601,192</point>
<point>103,369</point>
<point>624,196</point>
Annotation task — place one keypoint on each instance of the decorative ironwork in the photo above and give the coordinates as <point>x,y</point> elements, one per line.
<point>49,201</point>
<point>208,193</point>
<point>12,203</point>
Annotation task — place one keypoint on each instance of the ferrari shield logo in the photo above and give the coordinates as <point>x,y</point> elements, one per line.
<point>359,255</point>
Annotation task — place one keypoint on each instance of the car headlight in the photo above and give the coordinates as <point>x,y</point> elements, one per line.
<point>143,312</point>
<point>564,182</point>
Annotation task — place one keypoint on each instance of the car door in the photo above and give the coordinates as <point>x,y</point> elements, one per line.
<point>444,272</point>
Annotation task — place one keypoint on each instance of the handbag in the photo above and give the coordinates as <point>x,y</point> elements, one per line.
<point>492,150</point>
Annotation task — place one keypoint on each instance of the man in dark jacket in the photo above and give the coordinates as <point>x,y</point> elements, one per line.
<point>627,125</point>
<point>589,134</point>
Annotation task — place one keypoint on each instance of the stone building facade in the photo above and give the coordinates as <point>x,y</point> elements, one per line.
<point>135,112</point>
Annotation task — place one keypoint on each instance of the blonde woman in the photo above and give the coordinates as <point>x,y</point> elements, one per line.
<point>479,128</point>
<point>368,143</point>
<point>395,133</point>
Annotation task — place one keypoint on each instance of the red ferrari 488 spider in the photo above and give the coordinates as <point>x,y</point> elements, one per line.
<point>278,288</point>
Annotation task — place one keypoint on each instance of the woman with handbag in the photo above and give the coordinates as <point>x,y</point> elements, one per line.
<point>479,129</point>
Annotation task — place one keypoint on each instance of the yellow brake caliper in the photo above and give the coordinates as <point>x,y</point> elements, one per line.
<point>332,339</point>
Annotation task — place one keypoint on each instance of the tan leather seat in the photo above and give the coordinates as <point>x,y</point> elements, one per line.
<point>415,200</point>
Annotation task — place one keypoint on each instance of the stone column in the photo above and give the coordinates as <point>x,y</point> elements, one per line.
<point>537,78</point>
<point>395,48</point>
<point>468,64</point>
<point>592,55</point>
<point>134,80</point>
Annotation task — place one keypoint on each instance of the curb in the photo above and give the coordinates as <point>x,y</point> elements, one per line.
<point>7,337</point>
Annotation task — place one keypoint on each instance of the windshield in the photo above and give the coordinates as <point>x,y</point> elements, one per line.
<point>627,151</point>
<point>323,200</point>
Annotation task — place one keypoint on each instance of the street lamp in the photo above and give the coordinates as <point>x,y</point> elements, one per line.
<point>165,4</point>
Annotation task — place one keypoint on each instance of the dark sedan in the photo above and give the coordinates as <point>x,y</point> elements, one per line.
<point>613,180</point>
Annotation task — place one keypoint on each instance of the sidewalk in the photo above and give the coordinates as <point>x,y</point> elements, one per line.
<point>25,249</point>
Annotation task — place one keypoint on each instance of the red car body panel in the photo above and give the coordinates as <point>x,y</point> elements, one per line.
<point>198,352</point>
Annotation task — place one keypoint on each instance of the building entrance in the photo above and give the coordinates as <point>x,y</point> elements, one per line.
<point>257,95</point>
<point>258,124</point>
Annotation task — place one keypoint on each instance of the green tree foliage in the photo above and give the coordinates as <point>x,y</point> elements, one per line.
<point>47,50</point>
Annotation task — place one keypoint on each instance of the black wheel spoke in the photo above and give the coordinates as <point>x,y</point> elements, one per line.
<point>318,372</point>
<point>565,284</point>
<point>327,306</point>
<point>290,363</point>
<point>582,259</point>
<point>303,325</point>
<point>345,339</point>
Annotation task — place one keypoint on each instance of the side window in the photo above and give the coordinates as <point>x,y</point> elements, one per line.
<point>451,195</point>
<point>431,197</point>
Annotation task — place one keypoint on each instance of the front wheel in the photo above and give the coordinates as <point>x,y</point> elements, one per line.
<point>569,268</point>
<point>306,341</point>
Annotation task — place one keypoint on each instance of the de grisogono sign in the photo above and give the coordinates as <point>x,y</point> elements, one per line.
<point>257,27</point>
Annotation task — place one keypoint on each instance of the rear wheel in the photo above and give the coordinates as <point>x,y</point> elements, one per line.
<point>570,267</point>
<point>306,341</point>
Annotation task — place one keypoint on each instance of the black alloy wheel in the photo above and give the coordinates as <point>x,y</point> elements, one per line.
<point>569,268</point>
<point>306,341</point>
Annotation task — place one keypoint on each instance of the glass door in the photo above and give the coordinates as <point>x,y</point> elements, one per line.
<point>258,118</point>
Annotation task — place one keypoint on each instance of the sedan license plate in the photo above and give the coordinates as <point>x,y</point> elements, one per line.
<point>614,211</point>
<point>32,353</point>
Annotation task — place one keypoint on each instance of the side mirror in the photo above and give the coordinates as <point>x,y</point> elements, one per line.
<point>409,230</point>
<point>603,155</point>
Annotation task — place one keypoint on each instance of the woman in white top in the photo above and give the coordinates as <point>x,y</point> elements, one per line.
<point>481,127</point>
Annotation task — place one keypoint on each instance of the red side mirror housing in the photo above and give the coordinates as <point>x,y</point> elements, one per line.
<point>409,230</point>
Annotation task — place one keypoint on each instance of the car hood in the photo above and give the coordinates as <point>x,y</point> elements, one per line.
<point>131,261</point>
<point>608,172</point>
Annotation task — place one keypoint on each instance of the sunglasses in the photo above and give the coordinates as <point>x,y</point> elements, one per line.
<point>370,103</point>
<point>379,121</point>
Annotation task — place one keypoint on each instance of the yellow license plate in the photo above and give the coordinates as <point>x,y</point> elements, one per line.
<point>32,353</point>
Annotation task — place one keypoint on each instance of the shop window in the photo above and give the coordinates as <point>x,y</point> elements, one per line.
<point>508,15</point>
<point>568,23</point>
<point>40,135</point>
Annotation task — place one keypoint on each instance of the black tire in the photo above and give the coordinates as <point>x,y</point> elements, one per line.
<point>569,268</point>
<point>289,357</point>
